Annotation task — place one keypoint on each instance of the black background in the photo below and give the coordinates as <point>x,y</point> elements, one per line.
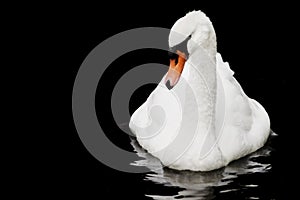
<point>254,38</point>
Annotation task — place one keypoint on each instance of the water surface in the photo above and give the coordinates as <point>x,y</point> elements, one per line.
<point>246,178</point>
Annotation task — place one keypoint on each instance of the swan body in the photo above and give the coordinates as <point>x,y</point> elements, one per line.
<point>206,120</point>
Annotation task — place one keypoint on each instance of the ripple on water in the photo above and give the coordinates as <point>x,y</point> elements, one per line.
<point>208,185</point>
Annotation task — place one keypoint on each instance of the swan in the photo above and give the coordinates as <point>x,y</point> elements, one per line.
<point>205,120</point>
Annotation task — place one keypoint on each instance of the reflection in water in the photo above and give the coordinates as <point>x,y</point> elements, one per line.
<point>203,185</point>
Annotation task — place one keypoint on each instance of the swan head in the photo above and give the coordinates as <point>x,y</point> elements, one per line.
<point>181,33</point>
<point>189,33</point>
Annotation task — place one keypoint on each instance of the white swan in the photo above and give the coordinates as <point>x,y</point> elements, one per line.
<point>206,120</point>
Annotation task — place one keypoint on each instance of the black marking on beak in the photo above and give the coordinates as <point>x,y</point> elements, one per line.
<point>181,47</point>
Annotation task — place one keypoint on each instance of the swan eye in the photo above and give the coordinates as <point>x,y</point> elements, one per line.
<point>173,55</point>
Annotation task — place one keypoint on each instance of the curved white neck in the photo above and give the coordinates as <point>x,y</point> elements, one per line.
<point>202,48</point>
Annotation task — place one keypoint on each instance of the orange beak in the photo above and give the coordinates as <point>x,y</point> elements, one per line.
<point>175,70</point>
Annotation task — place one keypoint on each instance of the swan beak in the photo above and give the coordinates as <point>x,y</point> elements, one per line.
<point>175,70</point>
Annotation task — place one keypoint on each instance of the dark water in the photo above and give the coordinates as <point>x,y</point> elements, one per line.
<point>246,178</point>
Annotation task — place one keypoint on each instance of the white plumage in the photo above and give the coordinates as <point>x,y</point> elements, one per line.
<point>206,120</point>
